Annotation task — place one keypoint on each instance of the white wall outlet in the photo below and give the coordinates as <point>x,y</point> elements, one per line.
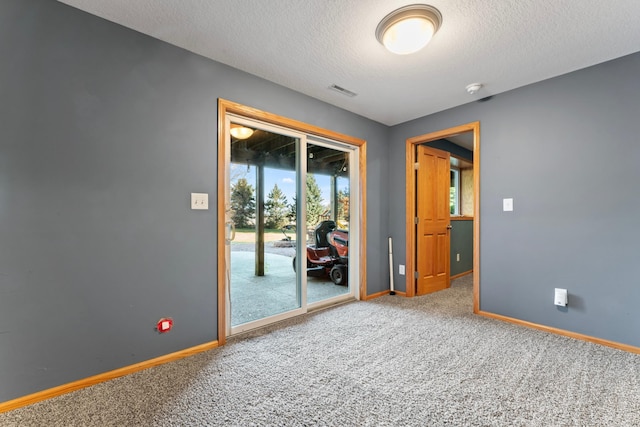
<point>401,270</point>
<point>458,257</point>
<point>200,201</point>
<point>561,297</point>
<point>507,205</point>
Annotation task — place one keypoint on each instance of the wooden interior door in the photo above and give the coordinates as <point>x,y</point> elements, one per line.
<point>432,206</point>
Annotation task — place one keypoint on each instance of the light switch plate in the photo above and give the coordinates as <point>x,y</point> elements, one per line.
<point>507,205</point>
<point>200,201</point>
<point>401,269</point>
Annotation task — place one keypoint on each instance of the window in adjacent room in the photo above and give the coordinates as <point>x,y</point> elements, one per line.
<point>454,192</point>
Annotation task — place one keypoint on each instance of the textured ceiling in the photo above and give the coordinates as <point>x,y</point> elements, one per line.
<point>308,45</point>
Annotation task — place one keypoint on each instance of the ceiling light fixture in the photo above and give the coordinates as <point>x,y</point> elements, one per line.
<point>408,29</point>
<point>240,132</point>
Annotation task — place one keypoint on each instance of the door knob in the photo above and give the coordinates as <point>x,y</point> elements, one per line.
<point>449,227</point>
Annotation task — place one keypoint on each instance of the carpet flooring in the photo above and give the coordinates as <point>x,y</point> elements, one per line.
<point>391,361</point>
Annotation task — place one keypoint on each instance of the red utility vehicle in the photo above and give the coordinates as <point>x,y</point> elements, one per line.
<point>330,253</point>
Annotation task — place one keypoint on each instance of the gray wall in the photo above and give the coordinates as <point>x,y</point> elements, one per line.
<point>461,243</point>
<point>105,133</point>
<point>567,151</point>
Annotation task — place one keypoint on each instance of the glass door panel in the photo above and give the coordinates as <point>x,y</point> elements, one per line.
<point>291,209</point>
<point>262,189</point>
<point>327,223</point>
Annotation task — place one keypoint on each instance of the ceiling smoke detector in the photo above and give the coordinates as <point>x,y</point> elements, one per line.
<point>473,88</point>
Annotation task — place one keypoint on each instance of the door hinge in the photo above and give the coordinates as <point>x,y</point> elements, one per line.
<point>416,166</point>
<point>415,274</point>
<point>416,220</point>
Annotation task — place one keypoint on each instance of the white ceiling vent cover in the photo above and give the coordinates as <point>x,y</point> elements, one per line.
<point>343,91</point>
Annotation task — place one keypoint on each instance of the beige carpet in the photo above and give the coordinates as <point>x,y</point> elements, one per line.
<point>392,361</point>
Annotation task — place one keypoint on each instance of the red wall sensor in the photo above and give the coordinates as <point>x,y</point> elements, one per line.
<point>164,325</point>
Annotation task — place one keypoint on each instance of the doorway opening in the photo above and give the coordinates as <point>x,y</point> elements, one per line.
<point>412,144</point>
<point>290,218</point>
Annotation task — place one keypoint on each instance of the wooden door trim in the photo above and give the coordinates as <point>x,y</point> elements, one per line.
<point>410,158</point>
<point>228,107</point>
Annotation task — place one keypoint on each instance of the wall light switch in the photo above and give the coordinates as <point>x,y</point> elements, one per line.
<point>200,201</point>
<point>401,269</point>
<point>507,205</point>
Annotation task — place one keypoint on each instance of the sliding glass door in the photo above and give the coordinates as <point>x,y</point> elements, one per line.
<point>328,215</point>
<point>289,220</point>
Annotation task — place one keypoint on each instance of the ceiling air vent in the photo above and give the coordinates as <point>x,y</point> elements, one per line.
<point>343,91</point>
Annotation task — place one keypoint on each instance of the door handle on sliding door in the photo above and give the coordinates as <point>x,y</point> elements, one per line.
<point>231,231</point>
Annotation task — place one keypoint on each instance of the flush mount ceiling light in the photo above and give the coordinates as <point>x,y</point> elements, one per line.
<point>240,132</point>
<point>408,29</point>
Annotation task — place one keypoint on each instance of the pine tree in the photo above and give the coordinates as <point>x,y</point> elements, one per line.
<point>243,203</point>
<point>343,205</point>
<point>276,209</point>
<point>292,211</point>
<point>314,204</point>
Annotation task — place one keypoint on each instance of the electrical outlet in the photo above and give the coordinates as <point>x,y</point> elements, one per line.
<point>561,297</point>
